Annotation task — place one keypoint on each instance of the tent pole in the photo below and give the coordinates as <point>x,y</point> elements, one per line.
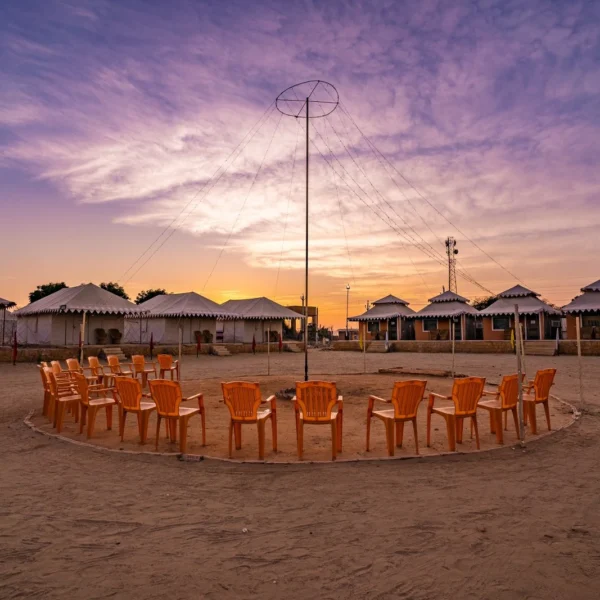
<point>520,375</point>
<point>452,336</point>
<point>578,326</point>
<point>82,339</point>
<point>3,322</point>
<point>306,259</point>
<point>180,342</point>
<point>269,349</point>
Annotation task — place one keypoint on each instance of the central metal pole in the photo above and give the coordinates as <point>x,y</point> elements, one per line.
<point>306,260</point>
<point>347,302</point>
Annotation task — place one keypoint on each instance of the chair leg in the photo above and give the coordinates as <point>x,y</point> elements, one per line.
<point>368,430</point>
<point>109,412</point>
<point>547,411</point>
<point>157,430</point>
<point>60,413</point>
<point>532,417</point>
<point>340,429</point>
<point>474,419</point>
<point>506,422</point>
<point>389,436</point>
<point>231,426</point>
<point>334,441</point>
<point>399,434</point>
<point>498,423</point>
<point>274,430</point>
<point>516,420</point>
<point>172,429</point>
<point>237,429</point>
<point>451,429</point>
<point>122,417</point>
<point>46,404</point>
<point>300,438</point>
<point>459,429</point>
<point>144,418</point>
<point>414,422</point>
<point>91,420</point>
<point>183,427</point>
<point>83,417</point>
<point>260,425</point>
<point>428,428</point>
<point>492,421</point>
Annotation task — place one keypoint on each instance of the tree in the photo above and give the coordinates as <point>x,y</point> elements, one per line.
<point>483,302</point>
<point>45,290</point>
<point>115,288</point>
<point>147,294</point>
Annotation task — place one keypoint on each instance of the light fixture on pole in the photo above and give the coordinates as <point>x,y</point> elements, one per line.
<point>298,101</point>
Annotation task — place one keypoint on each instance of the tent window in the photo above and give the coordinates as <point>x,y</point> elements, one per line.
<point>500,323</point>
<point>373,326</point>
<point>430,324</point>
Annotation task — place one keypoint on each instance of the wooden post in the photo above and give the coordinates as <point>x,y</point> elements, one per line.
<point>365,347</point>
<point>269,349</point>
<point>180,343</point>
<point>578,326</point>
<point>3,323</point>
<point>452,336</point>
<point>82,339</point>
<point>518,345</point>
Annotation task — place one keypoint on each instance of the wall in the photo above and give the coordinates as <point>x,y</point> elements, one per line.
<point>488,333</point>
<point>420,335</point>
<point>469,346</point>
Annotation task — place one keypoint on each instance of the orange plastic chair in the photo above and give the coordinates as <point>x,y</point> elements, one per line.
<point>73,366</point>
<point>506,398</point>
<point>166,364</point>
<point>58,371</point>
<point>47,393</point>
<point>544,380</point>
<point>466,394</point>
<point>406,397</point>
<point>64,388</point>
<point>115,367</point>
<point>317,403</point>
<point>129,397</point>
<point>99,371</point>
<point>243,399</point>
<point>167,397</point>
<point>61,396</point>
<point>90,406</point>
<point>141,370</point>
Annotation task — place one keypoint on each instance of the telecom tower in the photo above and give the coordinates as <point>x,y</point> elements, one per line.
<point>451,251</point>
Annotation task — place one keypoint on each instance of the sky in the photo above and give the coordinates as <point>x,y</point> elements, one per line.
<point>140,142</point>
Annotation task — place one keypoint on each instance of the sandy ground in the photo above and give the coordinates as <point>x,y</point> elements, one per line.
<point>81,523</point>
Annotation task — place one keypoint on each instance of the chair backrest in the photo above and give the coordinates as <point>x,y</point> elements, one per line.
<point>242,398</point>
<point>316,399</point>
<point>73,365</point>
<point>113,363</point>
<point>44,378</point>
<point>56,367</point>
<point>466,393</point>
<point>51,379</point>
<point>138,362</point>
<point>129,391</point>
<point>44,365</point>
<point>166,396</point>
<point>82,387</point>
<point>165,361</point>
<point>406,397</point>
<point>95,366</point>
<point>544,379</point>
<point>509,391</point>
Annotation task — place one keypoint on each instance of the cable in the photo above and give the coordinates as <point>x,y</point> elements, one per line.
<point>243,204</point>
<point>257,125</point>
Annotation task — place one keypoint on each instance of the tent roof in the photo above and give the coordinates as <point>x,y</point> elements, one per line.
<point>6,303</point>
<point>391,300</point>
<point>588,301</point>
<point>188,304</point>
<point>448,297</point>
<point>86,297</point>
<point>528,305</point>
<point>446,308</point>
<point>593,287</point>
<point>381,312</point>
<point>517,291</point>
<point>260,309</point>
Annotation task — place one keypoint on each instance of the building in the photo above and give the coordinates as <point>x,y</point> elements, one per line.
<point>56,320</point>
<point>435,320</point>
<point>259,316</point>
<point>587,306</point>
<point>387,315</point>
<point>349,334</point>
<point>539,320</point>
<point>166,315</point>
<point>8,321</point>
<point>296,330</point>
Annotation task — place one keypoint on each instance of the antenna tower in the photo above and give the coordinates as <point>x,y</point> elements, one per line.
<point>451,251</point>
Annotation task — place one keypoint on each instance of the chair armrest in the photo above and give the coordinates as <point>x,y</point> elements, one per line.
<point>433,396</point>
<point>491,393</point>
<point>272,400</point>
<point>200,397</point>
<point>378,399</point>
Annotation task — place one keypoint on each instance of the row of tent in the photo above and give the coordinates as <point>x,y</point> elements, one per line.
<point>393,318</point>
<point>56,319</point>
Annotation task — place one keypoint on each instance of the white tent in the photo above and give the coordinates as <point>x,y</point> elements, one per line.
<point>391,311</point>
<point>435,318</point>
<point>587,306</point>
<point>164,315</point>
<point>56,319</point>
<point>589,301</point>
<point>260,315</point>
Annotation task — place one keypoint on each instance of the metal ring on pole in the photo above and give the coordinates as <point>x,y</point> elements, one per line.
<point>292,101</point>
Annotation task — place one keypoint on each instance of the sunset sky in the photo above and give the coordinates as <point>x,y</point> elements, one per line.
<point>115,117</point>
